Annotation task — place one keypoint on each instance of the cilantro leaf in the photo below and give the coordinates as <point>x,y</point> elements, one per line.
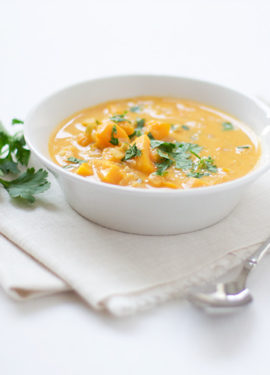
<point>13,150</point>
<point>243,147</point>
<point>27,184</point>
<point>114,141</point>
<point>136,133</point>
<point>135,108</point>
<point>140,123</point>
<point>227,126</point>
<point>204,167</point>
<point>185,127</point>
<point>150,136</point>
<point>7,165</point>
<point>163,166</point>
<point>74,160</point>
<point>119,118</point>
<point>132,152</point>
<point>15,121</point>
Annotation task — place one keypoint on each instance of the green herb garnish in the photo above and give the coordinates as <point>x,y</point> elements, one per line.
<point>150,136</point>
<point>227,126</point>
<point>13,154</point>
<point>74,160</point>
<point>163,166</point>
<point>16,121</point>
<point>114,141</point>
<point>13,151</point>
<point>204,167</point>
<point>119,118</point>
<point>136,133</point>
<point>140,122</point>
<point>132,152</point>
<point>27,184</point>
<point>135,109</point>
<point>243,147</point>
<point>179,154</point>
<point>185,127</point>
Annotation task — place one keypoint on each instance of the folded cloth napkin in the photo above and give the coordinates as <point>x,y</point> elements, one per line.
<point>47,247</point>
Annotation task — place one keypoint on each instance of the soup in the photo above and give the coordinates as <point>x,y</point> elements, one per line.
<point>155,142</point>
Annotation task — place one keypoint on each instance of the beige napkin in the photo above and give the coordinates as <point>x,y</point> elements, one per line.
<point>120,272</point>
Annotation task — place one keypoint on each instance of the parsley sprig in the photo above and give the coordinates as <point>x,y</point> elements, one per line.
<point>14,154</point>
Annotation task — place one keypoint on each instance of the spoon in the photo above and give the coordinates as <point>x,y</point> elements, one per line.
<point>228,296</point>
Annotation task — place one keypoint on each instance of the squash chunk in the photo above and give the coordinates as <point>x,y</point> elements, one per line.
<point>84,140</point>
<point>143,162</point>
<point>129,129</point>
<point>85,170</point>
<point>104,135</point>
<point>159,130</point>
<point>108,171</point>
<point>159,181</point>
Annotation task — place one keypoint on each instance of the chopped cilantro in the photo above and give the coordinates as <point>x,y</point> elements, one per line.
<point>135,108</point>
<point>132,152</point>
<point>16,121</point>
<point>98,122</point>
<point>114,141</point>
<point>119,118</point>
<point>75,160</point>
<point>140,123</point>
<point>227,126</point>
<point>179,154</point>
<point>163,166</point>
<point>13,151</point>
<point>27,184</point>
<point>243,147</point>
<point>204,167</point>
<point>150,136</point>
<point>136,133</point>
<point>185,127</point>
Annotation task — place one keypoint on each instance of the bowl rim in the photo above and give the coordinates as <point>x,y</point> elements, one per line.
<point>257,171</point>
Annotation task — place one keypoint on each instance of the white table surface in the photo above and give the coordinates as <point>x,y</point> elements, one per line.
<point>47,45</point>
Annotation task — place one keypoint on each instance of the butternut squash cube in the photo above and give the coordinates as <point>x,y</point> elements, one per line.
<point>84,140</point>
<point>143,162</point>
<point>129,129</point>
<point>85,169</point>
<point>104,135</point>
<point>108,171</point>
<point>158,129</point>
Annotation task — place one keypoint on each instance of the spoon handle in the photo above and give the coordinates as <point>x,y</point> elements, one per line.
<point>255,258</point>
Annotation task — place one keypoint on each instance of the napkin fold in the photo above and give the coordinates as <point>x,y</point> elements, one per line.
<point>48,247</point>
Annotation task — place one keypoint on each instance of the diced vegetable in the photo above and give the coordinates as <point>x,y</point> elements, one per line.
<point>108,171</point>
<point>85,169</point>
<point>143,162</point>
<point>158,129</point>
<point>105,135</point>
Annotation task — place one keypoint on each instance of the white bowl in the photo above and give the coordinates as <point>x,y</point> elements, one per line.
<point>143,211</point>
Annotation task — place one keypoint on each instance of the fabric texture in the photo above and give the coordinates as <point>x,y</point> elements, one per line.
<point>47,248</point>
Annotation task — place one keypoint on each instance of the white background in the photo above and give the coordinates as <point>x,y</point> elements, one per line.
<point>47,45</point>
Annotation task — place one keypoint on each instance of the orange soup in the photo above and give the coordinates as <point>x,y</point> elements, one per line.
<point>155,142</point>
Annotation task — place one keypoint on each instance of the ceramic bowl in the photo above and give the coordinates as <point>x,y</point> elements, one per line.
<point>147,211</point>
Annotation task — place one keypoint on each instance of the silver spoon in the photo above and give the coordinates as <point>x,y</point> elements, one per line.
<point>230,295</point>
